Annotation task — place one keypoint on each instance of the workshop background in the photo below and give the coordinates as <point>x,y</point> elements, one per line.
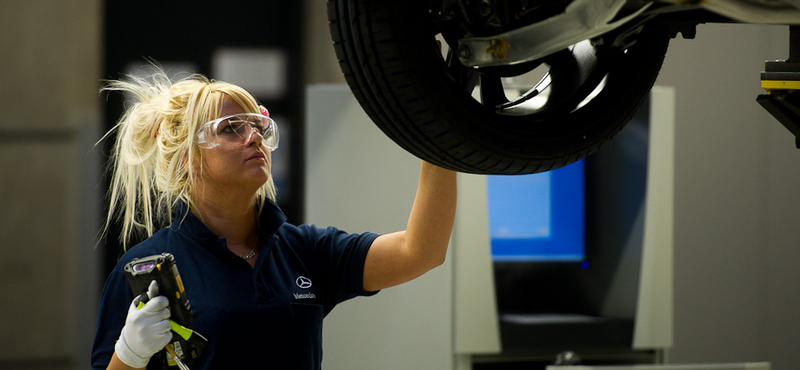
<point>737,207</point>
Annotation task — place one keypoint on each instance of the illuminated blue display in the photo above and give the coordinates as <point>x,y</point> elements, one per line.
<point>538,217</point>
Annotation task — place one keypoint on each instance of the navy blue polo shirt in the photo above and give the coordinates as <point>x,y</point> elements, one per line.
<point>266,317</point>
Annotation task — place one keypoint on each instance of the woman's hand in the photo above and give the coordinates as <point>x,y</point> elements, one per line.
<point>146,330</point>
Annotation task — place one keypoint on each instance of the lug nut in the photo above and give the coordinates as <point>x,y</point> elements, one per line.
<point>485,9</point>
<point>464,54</point>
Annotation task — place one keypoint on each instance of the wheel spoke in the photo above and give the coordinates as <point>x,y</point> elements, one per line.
<point>463,76</point>
<point>492,92</point>
<point>518,105</point>
<point>575,74</point>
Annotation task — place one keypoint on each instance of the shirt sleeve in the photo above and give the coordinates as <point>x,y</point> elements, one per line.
<point>114,303</point>
<point>341,257</point>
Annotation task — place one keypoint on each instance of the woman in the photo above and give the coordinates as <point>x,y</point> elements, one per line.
<point>197,154</point>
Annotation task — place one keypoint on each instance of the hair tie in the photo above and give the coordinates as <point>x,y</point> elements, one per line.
<point>158,127</point>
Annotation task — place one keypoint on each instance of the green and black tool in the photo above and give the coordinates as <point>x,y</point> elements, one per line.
<point>186,344</point>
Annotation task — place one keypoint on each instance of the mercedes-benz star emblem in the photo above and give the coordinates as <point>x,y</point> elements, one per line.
<point>303,282</point>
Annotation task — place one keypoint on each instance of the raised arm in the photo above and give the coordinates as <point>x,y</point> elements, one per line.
<point>404,255</point>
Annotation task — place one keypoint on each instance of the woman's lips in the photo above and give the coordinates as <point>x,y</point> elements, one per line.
<point>258,156</point>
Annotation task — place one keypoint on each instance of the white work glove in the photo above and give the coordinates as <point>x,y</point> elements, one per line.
<point>146,330</point>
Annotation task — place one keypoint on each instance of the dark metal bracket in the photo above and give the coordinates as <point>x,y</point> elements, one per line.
<point>781,81</point>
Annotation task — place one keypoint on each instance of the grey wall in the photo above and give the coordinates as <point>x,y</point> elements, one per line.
<point>737,206</point>
<point>49,199</point>
<point>358,180</point>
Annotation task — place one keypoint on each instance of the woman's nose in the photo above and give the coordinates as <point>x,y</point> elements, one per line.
<point>254,137</point>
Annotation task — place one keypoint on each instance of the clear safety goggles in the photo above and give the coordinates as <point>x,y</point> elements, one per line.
<point>237,130</point>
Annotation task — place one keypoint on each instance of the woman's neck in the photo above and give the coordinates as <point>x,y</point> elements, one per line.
<point>228,215</point>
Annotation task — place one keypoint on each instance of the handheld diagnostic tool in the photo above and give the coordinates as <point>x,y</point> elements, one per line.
<point>186,344</point>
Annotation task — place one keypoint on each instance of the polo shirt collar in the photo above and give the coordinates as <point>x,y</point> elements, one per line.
<point>270,219</point>
<point>185,222</point>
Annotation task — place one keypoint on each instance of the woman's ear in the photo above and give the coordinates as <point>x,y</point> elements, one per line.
<point>184,160</point>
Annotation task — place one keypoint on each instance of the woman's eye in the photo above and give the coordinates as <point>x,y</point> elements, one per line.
<point>230,128</point>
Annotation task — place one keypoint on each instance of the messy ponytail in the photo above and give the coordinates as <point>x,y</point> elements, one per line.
<point>155,147</point>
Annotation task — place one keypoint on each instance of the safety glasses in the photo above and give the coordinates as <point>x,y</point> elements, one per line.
<point>237,129</point>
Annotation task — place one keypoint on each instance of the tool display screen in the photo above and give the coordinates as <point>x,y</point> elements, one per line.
<point>537,217</point>
<point>144,266</point>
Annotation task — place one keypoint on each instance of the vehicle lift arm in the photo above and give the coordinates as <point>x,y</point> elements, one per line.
<point>781,81</point>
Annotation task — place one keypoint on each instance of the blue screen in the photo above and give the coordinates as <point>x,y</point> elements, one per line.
<point>537,217</point>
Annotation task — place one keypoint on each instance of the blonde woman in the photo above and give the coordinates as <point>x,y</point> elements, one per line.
<point>196,154</point>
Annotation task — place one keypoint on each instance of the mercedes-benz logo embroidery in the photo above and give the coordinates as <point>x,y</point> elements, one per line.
<point>303,282</point>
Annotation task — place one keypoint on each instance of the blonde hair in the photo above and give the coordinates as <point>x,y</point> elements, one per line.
<point>156,145</point>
